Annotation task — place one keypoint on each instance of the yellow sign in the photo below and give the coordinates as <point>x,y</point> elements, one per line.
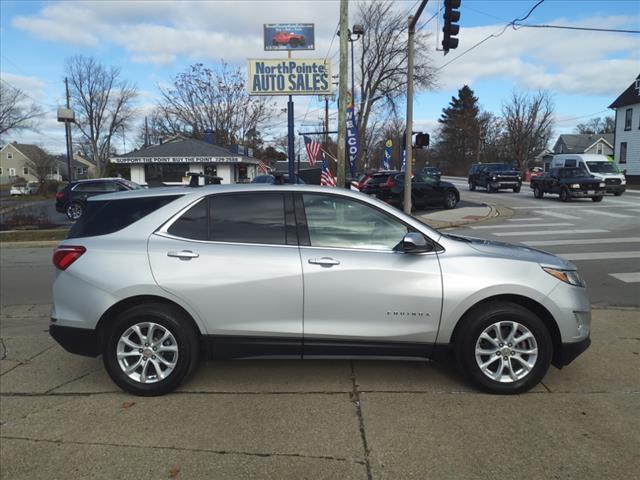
<point>301,76</point>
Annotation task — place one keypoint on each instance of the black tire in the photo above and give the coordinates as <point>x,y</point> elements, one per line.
<point>490,189</point>
<point>564,195</point>
<point>597,199</point>
<point>74,210</point>
<point>450,200</point>
<point>537,192</point>
<point>516,189</point>
<point>472,186</point>
<point>474,324</point>
<point>617,194</point>
<point>171,319</point>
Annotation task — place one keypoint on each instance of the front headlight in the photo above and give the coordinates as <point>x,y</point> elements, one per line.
<point>623,182</point>
<point>494,178</point>
<point>572,277</point>
<point>574,185</point>
<point>602,184</point>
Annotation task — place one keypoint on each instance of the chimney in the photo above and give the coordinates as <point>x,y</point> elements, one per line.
<point>207,136</point>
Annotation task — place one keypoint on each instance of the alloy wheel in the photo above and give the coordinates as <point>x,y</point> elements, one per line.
<point>506,351</point>
<point>147,352</point>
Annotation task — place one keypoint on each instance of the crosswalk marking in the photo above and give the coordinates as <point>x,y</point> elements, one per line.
<point>564,216</point>
<point>549,232</point>
<point>607,213</point>
<point>598,255</point>
<point>489,227</point>
<point>633,277</point>
<point>524,219</point>
<point>583,241</point>
<point>632,209</point>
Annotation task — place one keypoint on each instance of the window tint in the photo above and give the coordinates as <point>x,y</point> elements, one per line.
<point>340,222</point>
<point>193,224</point>
<point>247,218</point>
<point>108,216</point>
<point>89,187</point>
<point>378,180</point>
<point>570,163</point>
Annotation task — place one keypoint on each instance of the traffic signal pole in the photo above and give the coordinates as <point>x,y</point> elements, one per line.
<point>409,130</point>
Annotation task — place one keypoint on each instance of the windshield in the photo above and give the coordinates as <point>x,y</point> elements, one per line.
<point>602,167</point>
<point>499,168</point>
<point>574,172</point>
<point>132,185</point>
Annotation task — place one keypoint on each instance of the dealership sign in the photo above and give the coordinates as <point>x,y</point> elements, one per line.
<point>302,76</point>
<point>289,36</point>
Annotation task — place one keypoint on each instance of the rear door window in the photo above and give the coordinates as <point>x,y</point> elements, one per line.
<point>193,224</point>
<point>109,216</point>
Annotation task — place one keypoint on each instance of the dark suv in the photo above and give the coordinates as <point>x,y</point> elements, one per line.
<point>494,176</point>
<point>72,199</point>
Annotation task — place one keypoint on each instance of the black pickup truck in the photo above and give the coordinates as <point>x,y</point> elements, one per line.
<point>568,183</point>
<point>494,176</point>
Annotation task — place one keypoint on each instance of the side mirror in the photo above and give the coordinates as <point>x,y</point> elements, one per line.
<point>415,243</point>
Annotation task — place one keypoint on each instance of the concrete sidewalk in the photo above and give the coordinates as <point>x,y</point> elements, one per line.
<point>62,417</point>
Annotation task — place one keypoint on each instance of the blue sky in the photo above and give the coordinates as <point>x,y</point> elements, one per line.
<point>152,41</point>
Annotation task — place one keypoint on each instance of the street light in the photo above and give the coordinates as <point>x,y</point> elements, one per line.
<point>353,35</point>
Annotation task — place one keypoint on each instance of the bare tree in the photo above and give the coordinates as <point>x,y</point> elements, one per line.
<point>40,163</point>
<point>215,99</point>
<point>528,122</point>
<point>383,63</point>
<point>16,111</point>
<point>103,103</point>
<point>597,125</point>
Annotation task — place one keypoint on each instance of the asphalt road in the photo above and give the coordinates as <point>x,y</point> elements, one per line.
<point>602,239</point>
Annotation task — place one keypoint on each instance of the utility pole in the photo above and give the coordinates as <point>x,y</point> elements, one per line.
<point>146,132</point>
<point>67,129</point>
<point>342,94</point>
<point>326,120</point>
<point>291,147</point>
<point>409,130</point>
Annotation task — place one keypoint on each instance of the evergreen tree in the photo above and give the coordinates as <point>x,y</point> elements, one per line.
<point>459,132</point>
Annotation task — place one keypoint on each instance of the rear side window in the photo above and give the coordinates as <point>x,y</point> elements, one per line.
<point>377,180</point>
<point>235,218</point>
<point>109,216</point>
<point>90,187</point>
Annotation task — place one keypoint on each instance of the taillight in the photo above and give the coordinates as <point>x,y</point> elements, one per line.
<point>60,195</point>
<point>390,183</point>
<point>65,255</point>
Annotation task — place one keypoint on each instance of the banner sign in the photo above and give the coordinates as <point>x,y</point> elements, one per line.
<point>289,36</point>
<point>404,160</point>
<point>386,161</point>
<point>301,76</point>
<point>352,137</point>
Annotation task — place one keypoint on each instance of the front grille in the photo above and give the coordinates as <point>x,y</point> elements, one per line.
<point>612,181</point>
<point>507,179</point>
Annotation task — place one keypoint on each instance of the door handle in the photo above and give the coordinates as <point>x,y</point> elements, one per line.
<point>324,261</point>
<point>183,255</point>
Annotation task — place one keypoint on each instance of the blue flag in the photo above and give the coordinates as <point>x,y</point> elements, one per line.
<point>352,137</point>
<point>386,161</point>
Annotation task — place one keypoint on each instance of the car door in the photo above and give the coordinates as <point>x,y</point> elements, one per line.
<point>430,192</point>
<point>233,258</point>
<point>363,295</point>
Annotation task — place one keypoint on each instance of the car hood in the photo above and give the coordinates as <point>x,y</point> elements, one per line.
<point>514,252</point>
<point>505,173</point>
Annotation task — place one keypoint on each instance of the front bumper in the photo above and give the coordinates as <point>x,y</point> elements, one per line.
<point>505,184</point>
<point>570,351</point>
<point>81,341</point>
<point>616,188</point>
<point>585,193</point>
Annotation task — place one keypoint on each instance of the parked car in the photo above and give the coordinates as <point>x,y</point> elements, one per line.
<point>277,179</point>
<point>425,191</point>
<point>598,166</point>
<point>494,177</point>
<point>378,182</point>
<point>72,199</point>
<point>29,188</point>
<point>288,38</point>
<point>431,172</point>
<point>569,183</point>
<point>153,279</point>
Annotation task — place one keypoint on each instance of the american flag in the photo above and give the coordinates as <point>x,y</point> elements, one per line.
<point>313,150</point>
<point>326,178</point>
<point>263,167</point>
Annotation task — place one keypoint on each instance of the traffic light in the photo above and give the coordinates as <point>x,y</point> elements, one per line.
<point>450,28</point>
<point>422,140</point>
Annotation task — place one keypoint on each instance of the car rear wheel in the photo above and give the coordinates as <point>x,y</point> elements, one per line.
<point>491,189</point>
<point>504,348</point>
<point>617,194</point>
<point>472,186</point>
<point>74,211</point>
<point>450,200</point>
<point>537,192</point>
<point>150,349</point>
<point>564,195</point>
<point>516,189</point>
<point>596,199</point>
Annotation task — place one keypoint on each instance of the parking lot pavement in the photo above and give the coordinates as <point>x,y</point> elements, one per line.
<point>61,417</point>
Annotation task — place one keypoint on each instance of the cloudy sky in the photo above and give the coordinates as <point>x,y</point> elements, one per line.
<point>152,41</point>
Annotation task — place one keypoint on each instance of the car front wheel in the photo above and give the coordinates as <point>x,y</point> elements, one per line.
<point>596,199</point>
<point>537,192</point>
<point>504,348</point>
<point>564,195</point>
<point>150,349</point>
<point>472,186</point>
<point>450,200</point>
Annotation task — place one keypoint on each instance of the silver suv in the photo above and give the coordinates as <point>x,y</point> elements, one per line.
<point>155,279</point>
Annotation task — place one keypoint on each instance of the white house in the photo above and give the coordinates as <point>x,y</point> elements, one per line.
<point>627,133</point>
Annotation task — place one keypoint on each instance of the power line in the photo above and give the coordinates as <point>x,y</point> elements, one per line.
<point>566,27</point>
<point>39,102</point>
<point>493,35</point>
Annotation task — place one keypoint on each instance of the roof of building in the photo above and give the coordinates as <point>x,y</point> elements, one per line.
<point>29,150</point>
<point>579,142</point>
<point>630,96</point>
<point>182,149</point>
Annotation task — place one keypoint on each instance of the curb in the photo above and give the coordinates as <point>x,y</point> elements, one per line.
<point>494,212</point>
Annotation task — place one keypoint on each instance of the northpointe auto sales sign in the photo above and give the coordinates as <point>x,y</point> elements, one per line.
<point>301,76</point>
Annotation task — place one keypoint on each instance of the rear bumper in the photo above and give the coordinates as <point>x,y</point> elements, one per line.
<point>571,351</point>
<point>80,341</point>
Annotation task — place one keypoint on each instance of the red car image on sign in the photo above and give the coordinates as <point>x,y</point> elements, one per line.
<point>286,38</point>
